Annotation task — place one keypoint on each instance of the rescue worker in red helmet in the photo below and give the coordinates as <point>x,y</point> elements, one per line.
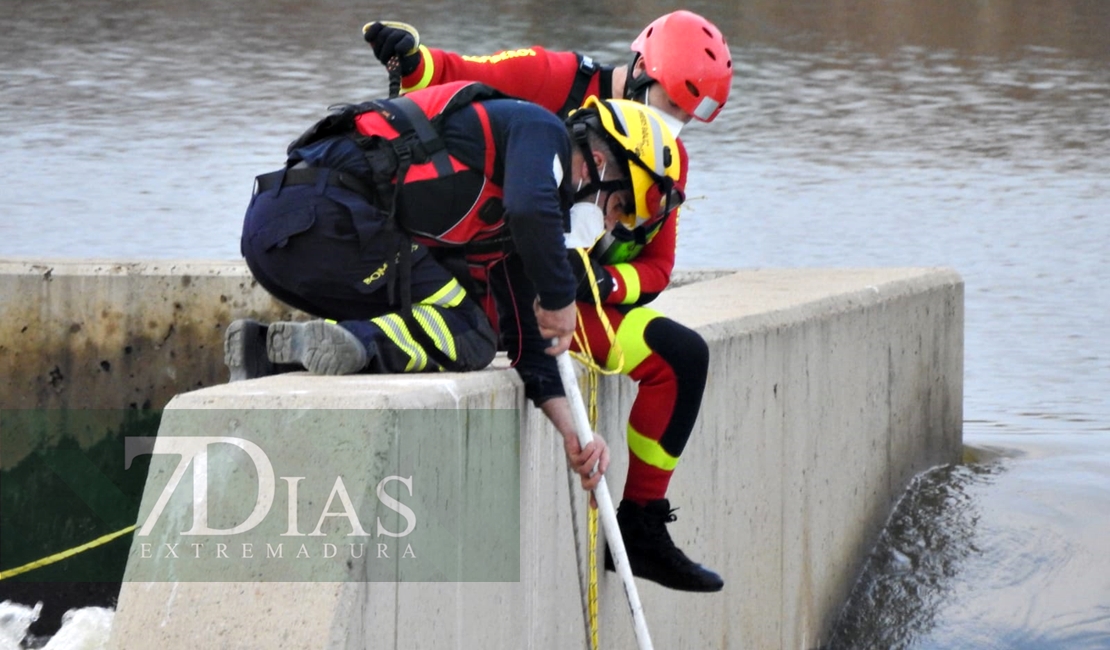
<point>682,67</point>
<point>344,230</point>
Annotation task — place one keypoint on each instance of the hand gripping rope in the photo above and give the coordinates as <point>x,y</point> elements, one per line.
<point>394,64</point>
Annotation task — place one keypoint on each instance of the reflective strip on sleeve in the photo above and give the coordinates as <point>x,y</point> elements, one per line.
<point>450,295</point>
<point>397,332</point>
<point>429,70</point>
<point>432,323</point>
<point>631,280</point>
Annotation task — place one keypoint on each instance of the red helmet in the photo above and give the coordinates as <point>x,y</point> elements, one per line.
<point>688,55</point>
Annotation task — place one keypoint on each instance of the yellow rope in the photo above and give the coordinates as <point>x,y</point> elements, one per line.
<point>586,357</point>
<point>591,533</point>
<point>591,522</point>
<point>58,557</point>
<point>593,372</point>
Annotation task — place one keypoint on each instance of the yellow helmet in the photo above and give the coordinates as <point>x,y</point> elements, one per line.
<point>642,141</point>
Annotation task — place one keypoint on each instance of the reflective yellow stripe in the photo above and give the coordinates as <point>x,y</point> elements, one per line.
<point>649,451</point>
<point>436,327</point>
<point>395,329</point>
<point>500,56</point>
<point>429,68</point>
<point>631,281</point>
<point>630,339</point>
<point>450,295</point>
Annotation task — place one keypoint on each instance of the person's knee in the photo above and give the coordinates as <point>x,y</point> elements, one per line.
<point>475,348</point>
<point>476,343</point>
<point>681,347</point>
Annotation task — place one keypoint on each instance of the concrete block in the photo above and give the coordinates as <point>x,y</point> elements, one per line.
<point>118,335</point>
<point>828,390</point>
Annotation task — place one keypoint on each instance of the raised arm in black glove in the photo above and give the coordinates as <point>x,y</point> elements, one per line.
<point>602,277</point>
<point>389,40</point>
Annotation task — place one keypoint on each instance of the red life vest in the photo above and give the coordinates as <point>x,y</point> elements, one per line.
<point>428,193</point>
<point>442,201</point>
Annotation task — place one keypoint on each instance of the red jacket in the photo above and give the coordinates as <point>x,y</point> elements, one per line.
<point>548,78</point>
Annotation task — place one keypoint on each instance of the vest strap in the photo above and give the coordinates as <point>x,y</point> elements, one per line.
<point>586,70</point>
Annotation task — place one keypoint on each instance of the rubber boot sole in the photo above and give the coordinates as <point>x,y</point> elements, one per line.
<point>699,580</point>
<point>323,348</point>
<point>245,350</point>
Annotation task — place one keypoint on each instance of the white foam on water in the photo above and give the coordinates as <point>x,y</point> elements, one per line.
<point>86,628</point>
<point>15,620</point>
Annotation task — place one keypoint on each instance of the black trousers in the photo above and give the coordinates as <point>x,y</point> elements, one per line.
<point>325,249</point>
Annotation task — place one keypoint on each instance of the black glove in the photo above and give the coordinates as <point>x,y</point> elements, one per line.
<point>389,42</point>
<point>602,277</point>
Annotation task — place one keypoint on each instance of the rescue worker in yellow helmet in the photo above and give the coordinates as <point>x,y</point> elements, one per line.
<point>344,231</point>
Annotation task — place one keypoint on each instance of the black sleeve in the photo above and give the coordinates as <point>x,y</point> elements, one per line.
<point>537,165</point>
<point>520,333</point>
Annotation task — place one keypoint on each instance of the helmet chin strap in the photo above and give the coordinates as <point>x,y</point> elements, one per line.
<point>637,89</point>
<point>634,85</point>
<point>578,195</point>
<point>596,184</point>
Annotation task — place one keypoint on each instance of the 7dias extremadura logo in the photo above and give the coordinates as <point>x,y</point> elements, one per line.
<point>233,481</point>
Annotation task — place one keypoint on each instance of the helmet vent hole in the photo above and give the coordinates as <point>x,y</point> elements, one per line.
<point>693,89</point>
<point>710,53</point>
<point>650,32</point>
<point>707,32</point>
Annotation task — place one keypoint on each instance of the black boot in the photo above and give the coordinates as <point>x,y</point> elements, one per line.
<point>322,347</point>
<point>245,352</point>
<point>651,553</point>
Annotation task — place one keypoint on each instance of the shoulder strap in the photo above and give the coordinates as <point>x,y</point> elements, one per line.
<point>418,140</point>
<point>587,68</point>
<point>418,135</point>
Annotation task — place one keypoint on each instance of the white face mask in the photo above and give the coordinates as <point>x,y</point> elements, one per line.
<point>672,122</point>
<point>587,224</point>
<point>587,221</point>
